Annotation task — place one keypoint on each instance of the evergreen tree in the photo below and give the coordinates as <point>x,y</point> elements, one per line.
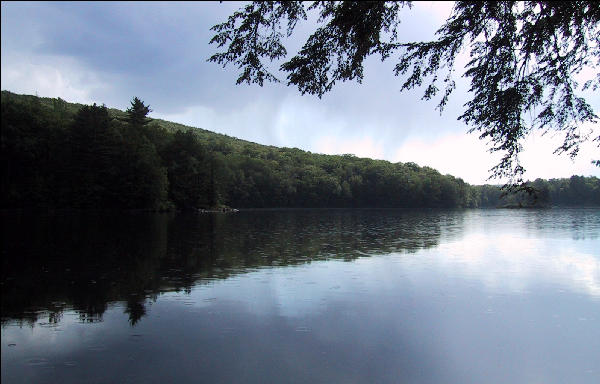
<point>137,113</point>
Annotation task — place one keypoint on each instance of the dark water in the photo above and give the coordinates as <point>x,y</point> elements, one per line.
<point>307,296</point>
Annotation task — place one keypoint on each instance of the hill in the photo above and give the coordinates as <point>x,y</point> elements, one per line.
<point>57,154</point>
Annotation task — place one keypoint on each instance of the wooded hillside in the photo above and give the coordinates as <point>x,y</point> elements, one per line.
<point>57,154</point>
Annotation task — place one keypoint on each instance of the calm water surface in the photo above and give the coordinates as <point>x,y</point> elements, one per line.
<point>302,296</point>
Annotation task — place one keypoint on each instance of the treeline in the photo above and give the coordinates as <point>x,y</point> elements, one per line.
<point>61,155</point>
<point>576,191</point>
<point>52,157</point>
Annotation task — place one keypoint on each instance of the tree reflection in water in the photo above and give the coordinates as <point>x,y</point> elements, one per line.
<point>85,261</point>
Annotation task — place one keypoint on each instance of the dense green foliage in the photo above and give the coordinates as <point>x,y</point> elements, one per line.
<point>54,157</point>
<point>576,191</point>
<point>524,56</point>
<point>61,155</point>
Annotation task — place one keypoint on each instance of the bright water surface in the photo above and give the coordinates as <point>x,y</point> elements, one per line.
<point>302,296</point>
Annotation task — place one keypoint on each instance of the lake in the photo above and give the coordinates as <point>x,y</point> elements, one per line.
<point>302,296</point>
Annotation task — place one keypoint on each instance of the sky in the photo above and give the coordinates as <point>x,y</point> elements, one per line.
<point>109,52</point>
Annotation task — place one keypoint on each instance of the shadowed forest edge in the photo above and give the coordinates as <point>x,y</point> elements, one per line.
<point>57,154</point>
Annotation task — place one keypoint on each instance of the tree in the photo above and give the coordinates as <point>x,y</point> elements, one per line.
<point>137,113</point>
<point>524,59</point>
<point>188,170</point>
<point>91,171</point>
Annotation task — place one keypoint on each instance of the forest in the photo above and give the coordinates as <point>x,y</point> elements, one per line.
<point>57,155</point>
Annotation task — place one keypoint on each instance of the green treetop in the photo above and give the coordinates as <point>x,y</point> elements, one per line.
<point>137,113</point>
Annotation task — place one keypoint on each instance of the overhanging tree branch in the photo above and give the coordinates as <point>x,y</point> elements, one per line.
<point>523,59</point>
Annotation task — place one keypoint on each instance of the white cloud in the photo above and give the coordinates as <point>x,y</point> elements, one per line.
<point>539,160</point>
<point>50,76</point>
<point>440,10</point>
<point>460,155</point>
<point>465,156</point>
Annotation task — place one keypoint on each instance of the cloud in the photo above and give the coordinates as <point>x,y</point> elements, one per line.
<point>108,53</point>
<point>539,160</point>
<point>52,77</point>
<point>438,10</point>
<point>460,155</point>
<point>465,156</point>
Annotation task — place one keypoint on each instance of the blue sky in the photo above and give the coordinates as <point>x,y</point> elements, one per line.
<point>110,52</point>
